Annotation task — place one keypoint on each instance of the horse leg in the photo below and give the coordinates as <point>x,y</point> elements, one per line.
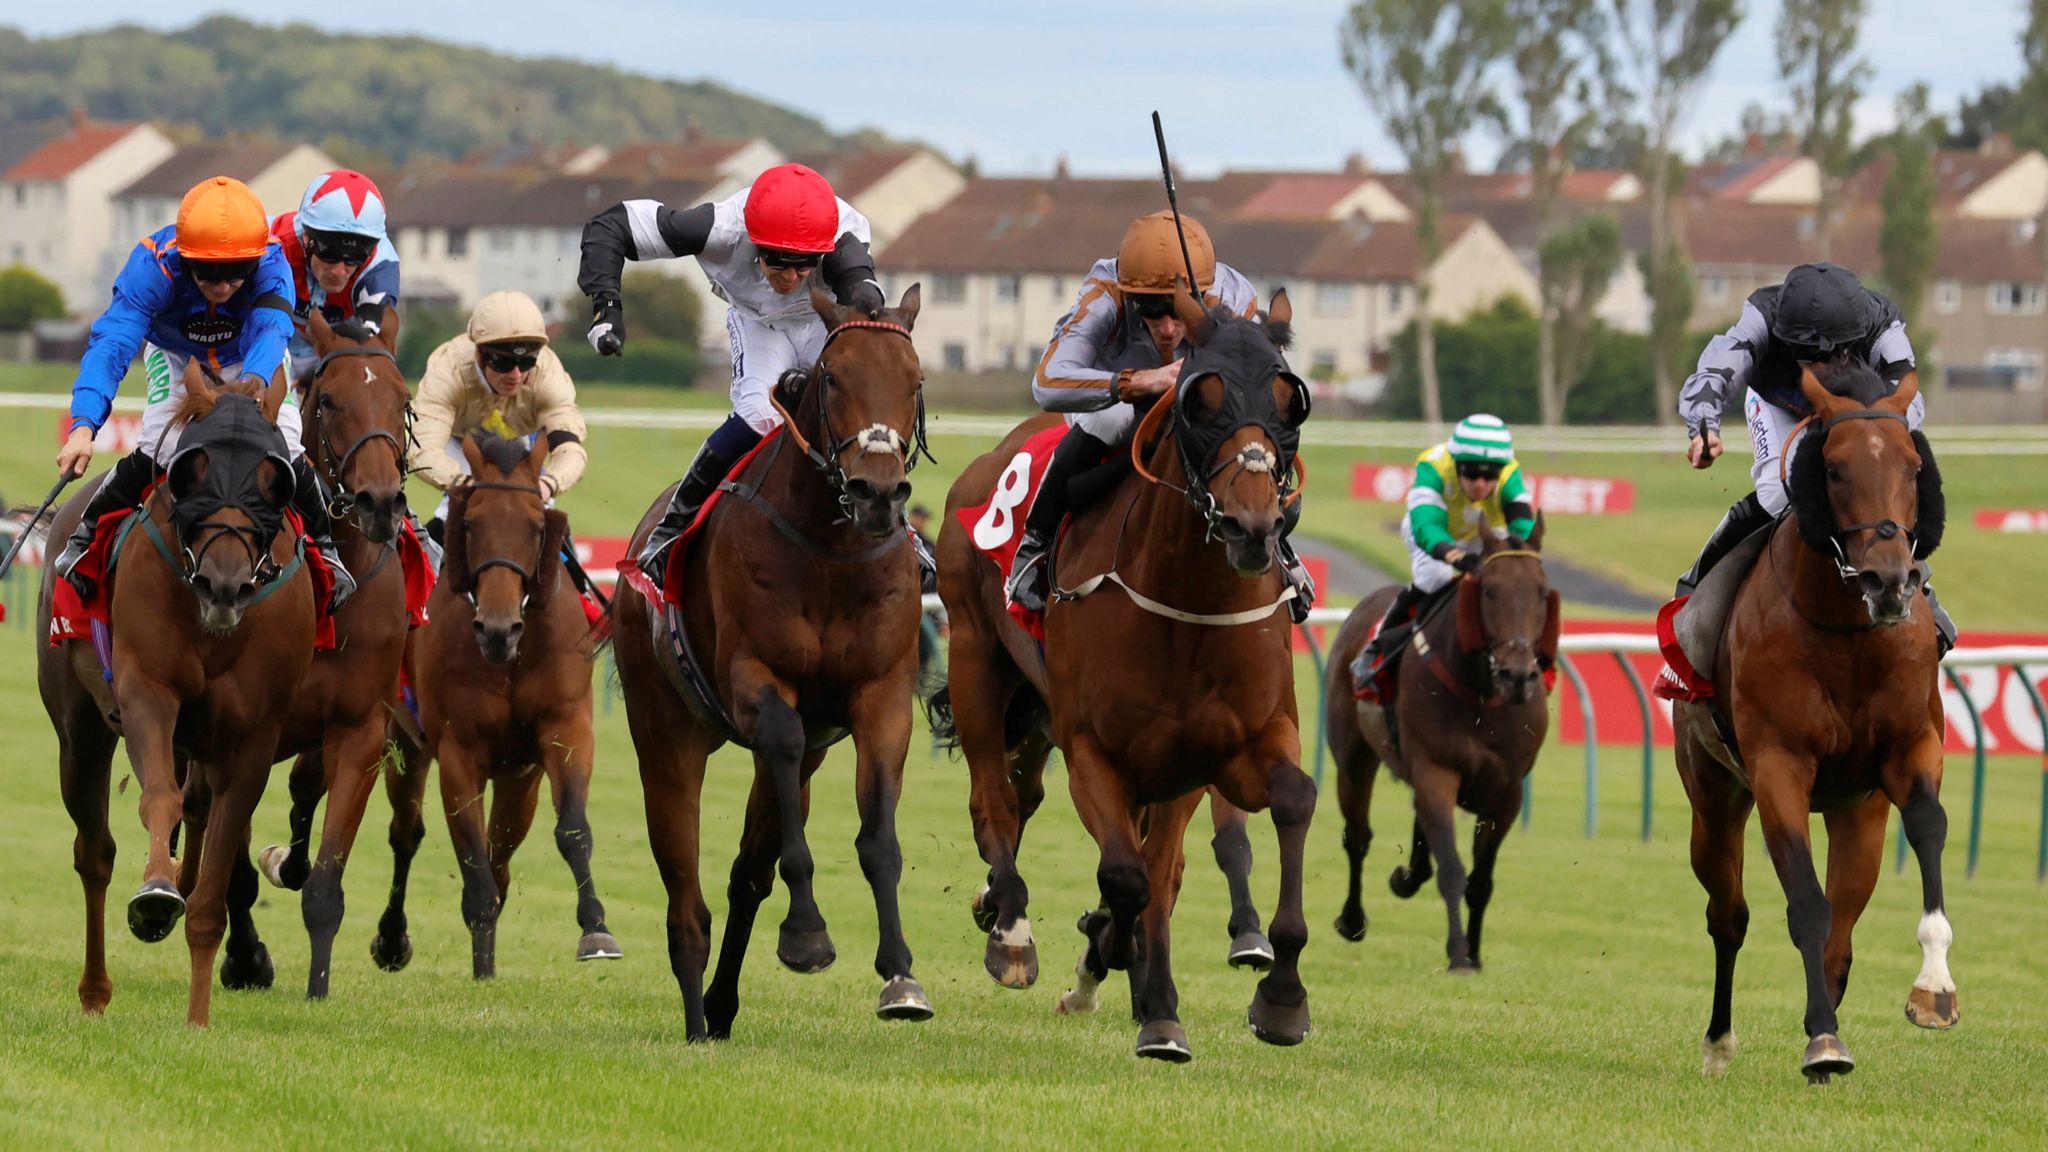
<point>286,866</point>
<point>1249,947</point>
<point>1487,835</point>
<point>462,797</point>
<point>1916,780</point>
<point>149,716</point>
<point>881,739</point>
<point>1783,786</point>
<point>245,963</point>
<point>225,839</point>
<point>354,754</point>
<point>781,756</point>
<point>981,696</point>
<point>513,801</point>
<point>197,801</point>
<point>1105,808</point>
<point>1155,1002</point>
<point>1720,814</point>
<point>569,752</point>
<point>1436,814</point>
<point>1271,779</point>
<point>405,783</point>
<point>1855,857</point>
<point>1407,879</point>
<point>671,779</point>
<point>1356,769</point>
<point>85,754</point>
<point>752,878</point>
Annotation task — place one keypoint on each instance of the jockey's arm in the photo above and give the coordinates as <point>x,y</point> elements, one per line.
<point>1429,517</point>
<point>1517,504</point>
<point>638,230</point>
<point>267,332</point>
<point>850,269</point>
<point>1723,369</point>
<point>561,422</point>
<point>1067,379</point>
<point>376,291</point>
<point>434,414</point>
<point>141,290</point>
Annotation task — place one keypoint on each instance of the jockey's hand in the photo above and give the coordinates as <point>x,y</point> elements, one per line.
<point>1462,560</point>
<point>1704,449</point>
<point>76,454</point>
<point>1150,382</point>
<point>607,326</point>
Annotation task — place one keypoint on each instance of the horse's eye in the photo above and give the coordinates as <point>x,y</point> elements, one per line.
<point>325,403</point>
<point>1834,474</point>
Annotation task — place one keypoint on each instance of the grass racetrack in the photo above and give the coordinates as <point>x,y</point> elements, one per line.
<point>1583,1031</point>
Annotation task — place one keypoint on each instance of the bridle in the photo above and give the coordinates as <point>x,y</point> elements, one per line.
<point>1886,529</point>
<point>1253,457</point>
<point>526,575</point>
<point>335,465</point>
<point>877,437</point>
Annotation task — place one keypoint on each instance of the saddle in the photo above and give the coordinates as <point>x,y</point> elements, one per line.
<point>996,526</point>
<point>1379,681</point>
<point>1689,628</point>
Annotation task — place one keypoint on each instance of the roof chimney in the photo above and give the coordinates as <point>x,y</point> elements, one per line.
<point>1059,167</point>
<point>693,130</point>
<point>79,118</point>
<point>1354,164</point>
<point>1996,144</point>
<point>1752,143</point>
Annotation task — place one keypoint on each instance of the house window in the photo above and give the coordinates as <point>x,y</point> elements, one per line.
<point>2017,296</point>
<point>2025,364</point>
<point>955,357</point>
<point>949,290</point>
<point>1033,355</point>
<point>1323,366</point>
<point>1333,299</point>
<point>1007,288</point>
<point>1948,297</point>
<point>21,193</point>
<point>1059,290</point>
<point>1009,357</point>
<point>1714,289</point>
<point>458,243</point>
<point>1397,297</point>
<point>500,239</point>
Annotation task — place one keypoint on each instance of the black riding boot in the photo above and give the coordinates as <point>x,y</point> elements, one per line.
<point>1944,628</point>
<point>1744,517</point>
<point>311,501</point>
<point>698,483</point>
<point>121,488</point>
<point>1406,601</point>
<point>1291,567</point>
<point>1030,583</point>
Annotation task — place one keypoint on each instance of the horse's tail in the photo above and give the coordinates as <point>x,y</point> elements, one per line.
<point>22,513</point>
<point>601,631</point>
<point>938,712</point>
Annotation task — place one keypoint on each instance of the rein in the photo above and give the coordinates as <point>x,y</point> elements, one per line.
<point>1093,584</point>
<point>874,438</point>
<point>343,501</point>
<point>1439,667</point>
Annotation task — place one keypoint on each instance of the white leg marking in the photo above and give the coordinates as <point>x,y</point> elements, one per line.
<point>1716,1055</point>
<point>1017,935</point>
<point>1081,999</point>
<point>1935,937</point>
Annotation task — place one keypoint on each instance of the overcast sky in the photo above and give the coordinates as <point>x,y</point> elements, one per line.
<point>1242,84</point>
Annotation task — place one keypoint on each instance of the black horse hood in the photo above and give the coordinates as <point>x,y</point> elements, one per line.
<point>235,439</point>
<point>1243,353</point>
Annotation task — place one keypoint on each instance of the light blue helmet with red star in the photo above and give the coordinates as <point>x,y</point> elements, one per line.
<point>343,202</point>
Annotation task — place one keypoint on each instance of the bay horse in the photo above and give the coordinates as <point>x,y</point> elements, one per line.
<point>1178,680</point>
<point>211,611</point>
<point>1829,676</point>
<point>1470,714</point>
<point>801,595</point>
<point>357,410</point>
<point>503,668</point>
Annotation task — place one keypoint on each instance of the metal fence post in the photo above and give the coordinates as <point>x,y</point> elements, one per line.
<point>1649,737</point>
<point>1571,671</point>
<point>1315,655</point>
<point>2041,714</point>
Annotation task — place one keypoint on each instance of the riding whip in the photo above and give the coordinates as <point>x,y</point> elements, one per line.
<point>1173,202</point>
<point>63,482</point>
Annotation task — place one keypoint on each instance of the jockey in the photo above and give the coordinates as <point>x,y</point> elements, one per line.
<point>213,285</point>
<point>342,259</point>
<point>1821,312</point>
<point>1464,485</point>
<point>1118,345</point>
<point>757,247</point>
<point>500,375</point>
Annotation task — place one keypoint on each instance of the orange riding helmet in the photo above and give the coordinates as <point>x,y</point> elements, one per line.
<point>220,219</point>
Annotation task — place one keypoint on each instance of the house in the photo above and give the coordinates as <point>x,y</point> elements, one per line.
<point>1757,179</point>
<point>56,202</point>
<point>436,221</point>
<point>278,173</point>
<point>1989,183</point>
<point>890,186</point>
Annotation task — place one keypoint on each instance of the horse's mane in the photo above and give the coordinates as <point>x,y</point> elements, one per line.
<point>1806,482</point>
<point>505,455</point>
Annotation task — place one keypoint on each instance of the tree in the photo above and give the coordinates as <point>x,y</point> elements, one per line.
<point>25,297</point>
<point>1558,49</point>
<point>1906,241</point>
<point>660,307</point>
<point>1579,262</point>
<point>1671,300</point>
<point>1670,44</point>
<point>2030,129</point>
<point>1423,67</point>
<point>1817,59</point>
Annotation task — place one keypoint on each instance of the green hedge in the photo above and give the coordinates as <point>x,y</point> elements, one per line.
<point>664,363</point>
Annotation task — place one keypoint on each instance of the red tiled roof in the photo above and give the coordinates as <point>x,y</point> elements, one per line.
<point>1735,181</point>
<point>1300,196</point>
<point>854,172</point>
<point>1776,238</point>
<point>244,160</point>
<point>61,155</point>
<point>1956,175</point>
<point>1590,183</point>
<point>672,159</point>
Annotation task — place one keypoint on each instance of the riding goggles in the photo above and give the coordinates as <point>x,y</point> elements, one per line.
<point>1478,470</point>
<point>775,258</point>
<point>221,271</point>
<point>1152,306</point>
<point>510,357</point>
<point>339,247</point>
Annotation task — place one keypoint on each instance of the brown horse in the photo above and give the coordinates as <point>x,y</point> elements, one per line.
<point>801,596</point>
<point>356,408</point>
<point>1828,674</point>
<point>503,668</point>
<point>212,615</point>
<point>1179,680</point>
<point>1470,715</point>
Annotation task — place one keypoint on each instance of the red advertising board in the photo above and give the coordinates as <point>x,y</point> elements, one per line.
<point>1582,495</point>
<point>2012,519</point>
<point>120,434</point>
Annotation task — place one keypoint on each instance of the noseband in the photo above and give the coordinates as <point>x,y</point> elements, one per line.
<point>874,438</point>
<point>335,465</point>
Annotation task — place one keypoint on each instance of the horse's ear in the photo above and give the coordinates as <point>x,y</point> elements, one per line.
<point>1193,316</point>
<point>271,399</point>
<point>906,308</point>
<point>547,572</point>
<point>276,483</point>
<point>1902,397</point>
<point>538,455</point>
<point>321,332</point>
<point>197,383</point>
<point>1280,311</point>
<point>828,309</point>
<point>1816,393</point>
<point>474,455</point>
<point>188,471</point>
<point>1535,541</point>
<point>387,331</point>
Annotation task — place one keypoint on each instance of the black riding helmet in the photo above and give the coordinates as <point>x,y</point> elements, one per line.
<point>1822,309</point>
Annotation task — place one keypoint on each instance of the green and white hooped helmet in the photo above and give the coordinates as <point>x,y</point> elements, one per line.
<point>1480,438</point>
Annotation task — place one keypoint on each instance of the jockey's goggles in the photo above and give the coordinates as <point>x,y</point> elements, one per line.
<point>339,247</point>
<point>510,357</point>
<point>1152,306</point>
<point>1478,470</point>
<point>775,258</point>
<point>221,271</point>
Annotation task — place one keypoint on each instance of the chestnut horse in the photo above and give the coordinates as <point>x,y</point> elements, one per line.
<point>503,668</point>
<point>1178,680</point>
<point>1828,668</point>
<point>356,410</point>
<point>1470,715</point>
<point>212,629</point>
<point>800,593</point>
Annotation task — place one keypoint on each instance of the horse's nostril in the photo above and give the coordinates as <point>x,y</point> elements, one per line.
<point>518,626</point>
<point>900,493</point>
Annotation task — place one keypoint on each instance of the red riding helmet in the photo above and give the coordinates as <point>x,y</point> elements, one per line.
<point>793,209</point>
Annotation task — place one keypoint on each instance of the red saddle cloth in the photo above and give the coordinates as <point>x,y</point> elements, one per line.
<point>1679,680</point>
<point>671,590</point>
<point>1376,685</point>
<point>419,574</point>
<point>997,525</point>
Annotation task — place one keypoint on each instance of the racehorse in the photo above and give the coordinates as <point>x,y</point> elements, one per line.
<point>801,594</point>
<point>1470,714</point>
<point>211,613</point>
<point>356,412</point>
<point>503,668</point>
<point>1177,680</point>
<point>1828,674</point>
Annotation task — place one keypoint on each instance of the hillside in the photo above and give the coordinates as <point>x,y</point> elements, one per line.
<point>365,98</point>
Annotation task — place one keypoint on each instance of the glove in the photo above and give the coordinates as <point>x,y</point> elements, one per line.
<point>1465,561</point>
<point>607,333</point>
<point>866,297</point>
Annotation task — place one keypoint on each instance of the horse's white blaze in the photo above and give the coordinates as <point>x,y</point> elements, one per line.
<point>1716,1055</point>
<point>1017,935</point>
<point>1935,937</point>
<point>879,438</point>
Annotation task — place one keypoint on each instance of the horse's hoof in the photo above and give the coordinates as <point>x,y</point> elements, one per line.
<point>1716,1055</point>
<point>1164,1040</point>
<point>805,952</point>
<point>1011,956</point>
<point>155,910</point>
<point>598,946</point>
<point>1931,1009</point>
<point>1469,966</point>
<point>1251,950</point>
<point>1826,1056</point>
<point>984,911</point>
<point>903,998</point>
<point>270,862</point>
<point>1283,1024</point>
<point>1405,882</point>
<point>388,957</point>
<point>1349,928</point>
<point>253,972</point>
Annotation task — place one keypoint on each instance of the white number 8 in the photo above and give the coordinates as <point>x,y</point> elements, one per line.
<point>998,524</point>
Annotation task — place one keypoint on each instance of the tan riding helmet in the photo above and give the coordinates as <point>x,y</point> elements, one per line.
<point>507,317</point>
<point>1149,258</point>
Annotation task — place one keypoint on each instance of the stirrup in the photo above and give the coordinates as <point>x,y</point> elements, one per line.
<point>1030,582</point>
